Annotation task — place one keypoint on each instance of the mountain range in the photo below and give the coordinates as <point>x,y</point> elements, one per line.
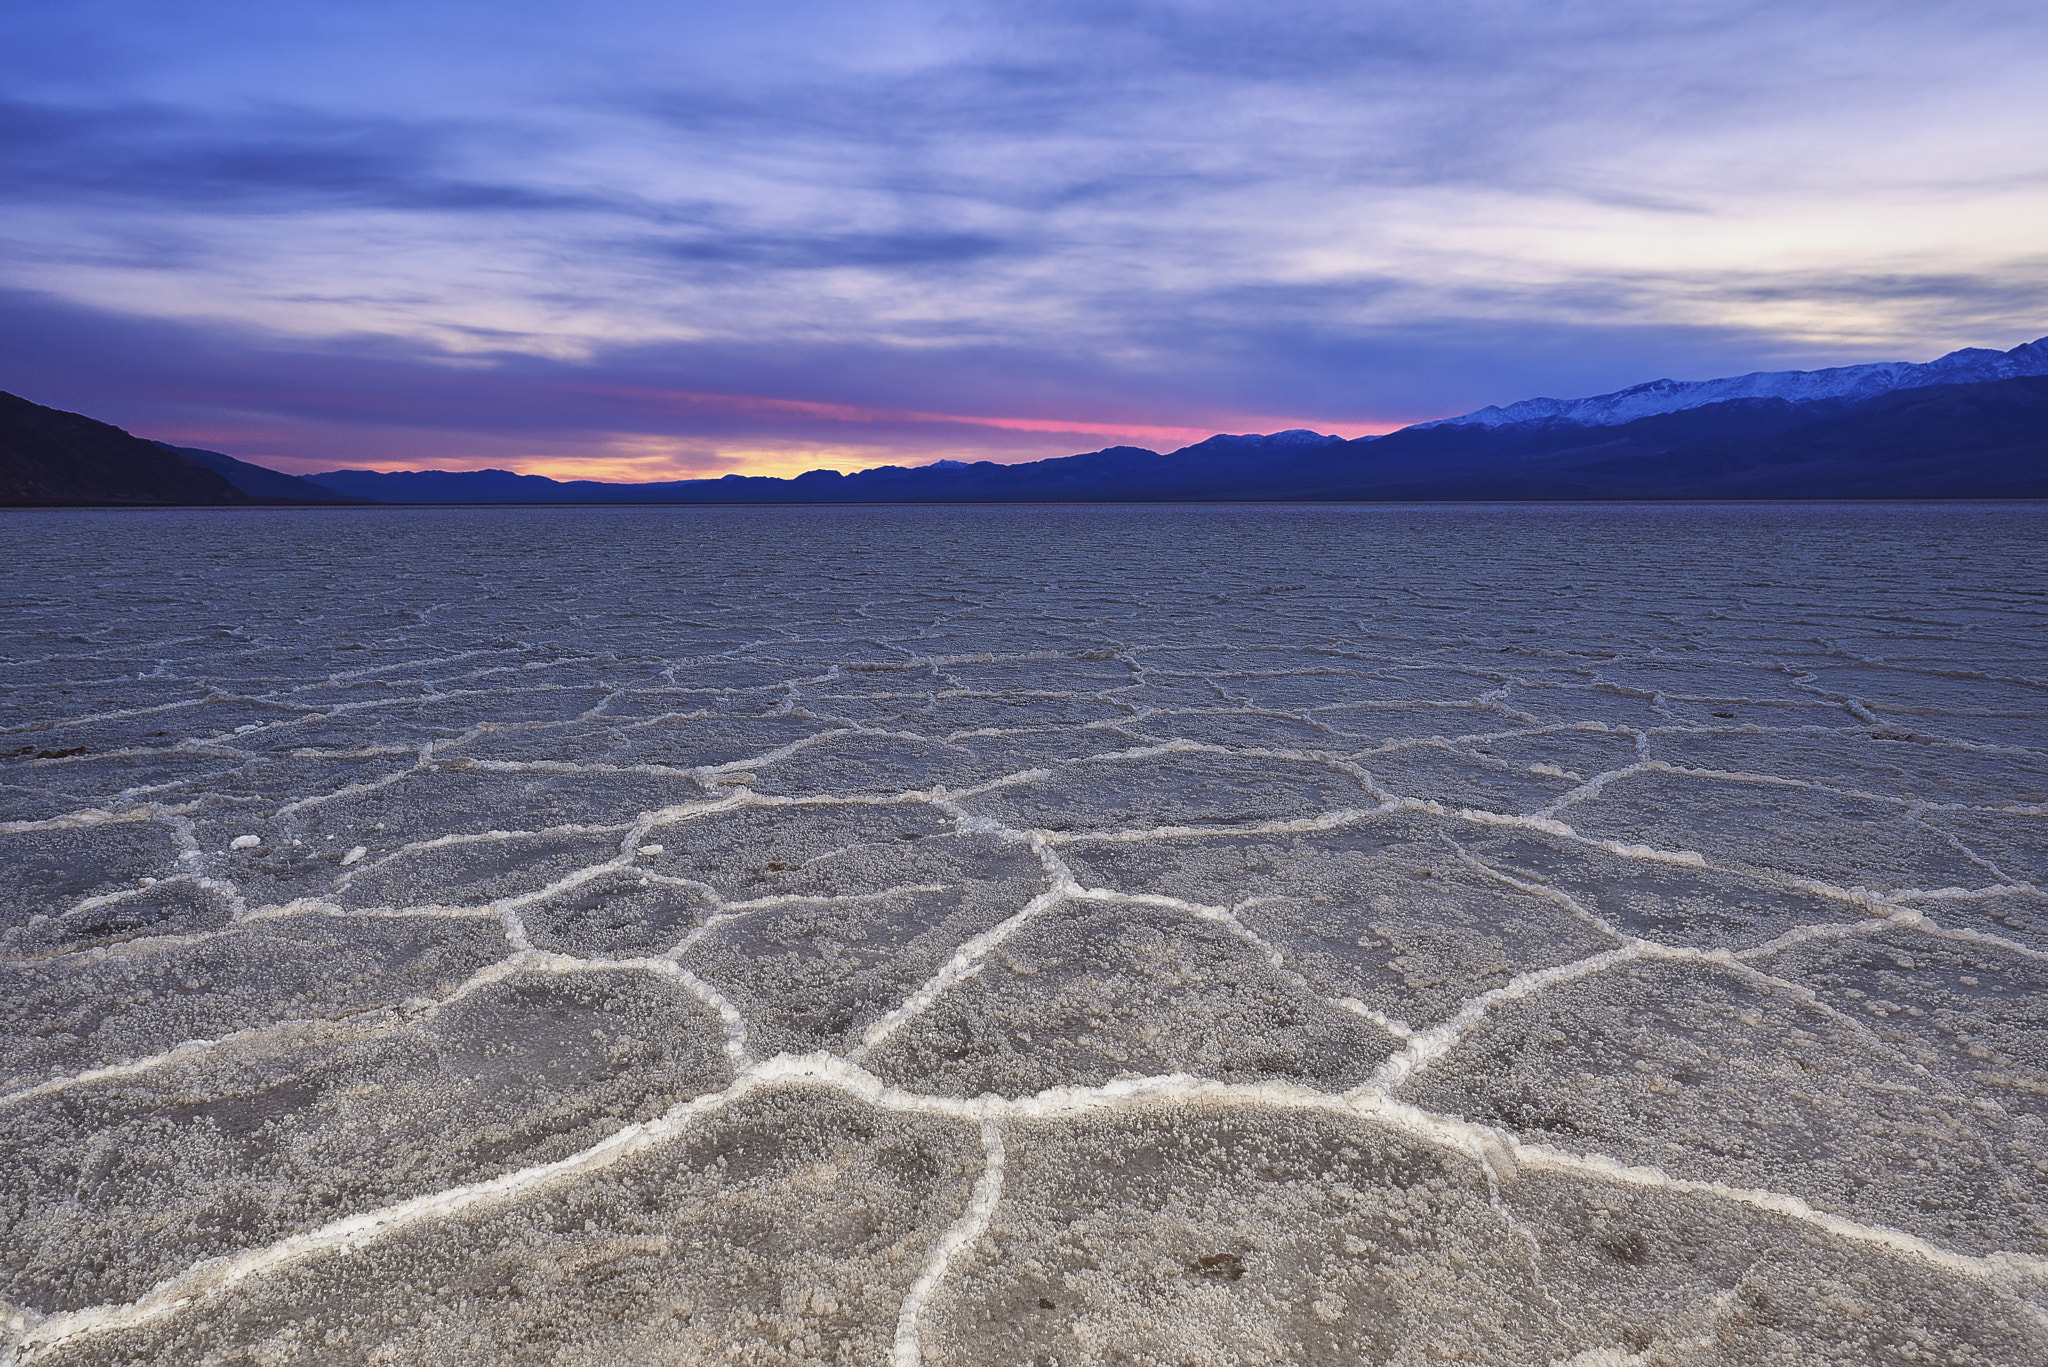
<point>1973,424</point>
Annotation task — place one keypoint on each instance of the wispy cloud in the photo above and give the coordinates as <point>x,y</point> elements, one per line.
<point>269,160</point>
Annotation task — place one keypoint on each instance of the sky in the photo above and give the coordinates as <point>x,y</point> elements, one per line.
<point>629,240</point>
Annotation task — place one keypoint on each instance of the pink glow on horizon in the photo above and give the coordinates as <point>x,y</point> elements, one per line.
<point>683,399</point>
<point>1179,434</point>
<point>648,437</point>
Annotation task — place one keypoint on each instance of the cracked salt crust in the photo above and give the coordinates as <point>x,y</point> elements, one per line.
<point>514,959</point>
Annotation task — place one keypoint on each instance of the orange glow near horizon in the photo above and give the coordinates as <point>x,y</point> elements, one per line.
<point>626,456</point>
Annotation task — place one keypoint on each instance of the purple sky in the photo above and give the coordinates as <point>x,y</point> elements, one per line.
<point>641,240</point>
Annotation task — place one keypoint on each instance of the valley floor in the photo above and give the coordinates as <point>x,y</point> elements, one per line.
<point>1197,935</point>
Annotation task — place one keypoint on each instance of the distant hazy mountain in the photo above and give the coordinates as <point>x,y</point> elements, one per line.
<point>1968,366</point>
<point>1987,439</point>
<point>1116,474</point>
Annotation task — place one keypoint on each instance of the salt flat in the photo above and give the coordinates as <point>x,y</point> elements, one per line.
<point>1026,935</point>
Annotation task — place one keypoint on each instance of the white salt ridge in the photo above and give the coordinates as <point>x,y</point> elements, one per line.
<point>1498,1153</point>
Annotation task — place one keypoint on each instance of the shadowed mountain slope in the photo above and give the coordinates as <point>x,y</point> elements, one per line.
<point>51,458</point>
<point>260,481</point>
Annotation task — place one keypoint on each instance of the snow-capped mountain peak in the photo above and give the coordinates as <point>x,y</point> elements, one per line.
<point>1967,366</point>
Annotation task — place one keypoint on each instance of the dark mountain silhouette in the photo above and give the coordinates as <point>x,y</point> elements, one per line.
<point>50,458</point>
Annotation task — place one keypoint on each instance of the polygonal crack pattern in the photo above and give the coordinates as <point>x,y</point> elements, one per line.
<point>1050,936</point>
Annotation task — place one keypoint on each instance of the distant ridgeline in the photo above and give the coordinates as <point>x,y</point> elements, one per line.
<point>1973,424</point>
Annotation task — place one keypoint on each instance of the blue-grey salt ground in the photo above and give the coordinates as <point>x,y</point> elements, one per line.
<point>1026,936</point>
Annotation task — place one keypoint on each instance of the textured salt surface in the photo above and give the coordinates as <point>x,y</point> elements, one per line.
<point>1050,936</point>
